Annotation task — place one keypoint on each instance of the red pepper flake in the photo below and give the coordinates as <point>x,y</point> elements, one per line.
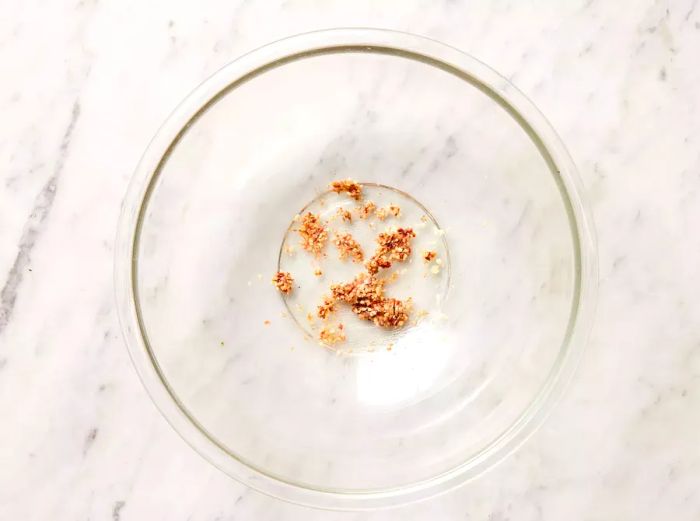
<point>349,186</point>
<point>331,335</point>
<point>394,246</point>
<point>313,233</point>
<point>429,255</point>
<point>348,247</point>
<point>283,281</point>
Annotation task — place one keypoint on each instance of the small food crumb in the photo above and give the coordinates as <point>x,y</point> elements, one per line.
<point>424,218</point>
<point>392,278</point>
<point>435,269</point>
<point>318,272</point>
<point>366,210</point>
<point>331,335</point>
<point>345,214</point>
<point>326,308</point>
<point>348,247</point>
<point>313,233</point>
<point>429,255</point>
<point>349,186</point>
<point>389,347</point>
<point>309,317</point>
<point>391,210</point>
<point>283,281</point>
<point>267,322</point>
<point>289,249</point>
<point>438,262</point>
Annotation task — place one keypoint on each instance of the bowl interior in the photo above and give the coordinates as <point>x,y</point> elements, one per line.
<point>209,241</point>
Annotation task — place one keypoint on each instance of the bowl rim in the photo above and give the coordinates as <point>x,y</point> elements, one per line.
<point>333,41</point>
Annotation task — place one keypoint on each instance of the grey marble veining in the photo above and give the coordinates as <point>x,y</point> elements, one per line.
<point>86,84</point>
<point>34,226</point>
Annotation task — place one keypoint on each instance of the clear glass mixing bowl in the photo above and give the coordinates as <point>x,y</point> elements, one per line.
<point>200,236</point>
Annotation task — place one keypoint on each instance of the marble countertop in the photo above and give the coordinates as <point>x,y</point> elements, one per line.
<point>86,85</point>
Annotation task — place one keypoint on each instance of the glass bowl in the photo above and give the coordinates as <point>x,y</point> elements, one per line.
<point>399,415</point>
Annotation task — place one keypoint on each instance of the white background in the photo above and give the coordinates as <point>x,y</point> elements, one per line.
<point>85,84</point>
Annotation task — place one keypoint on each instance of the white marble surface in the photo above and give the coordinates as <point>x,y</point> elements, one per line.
<point>86,84</point>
